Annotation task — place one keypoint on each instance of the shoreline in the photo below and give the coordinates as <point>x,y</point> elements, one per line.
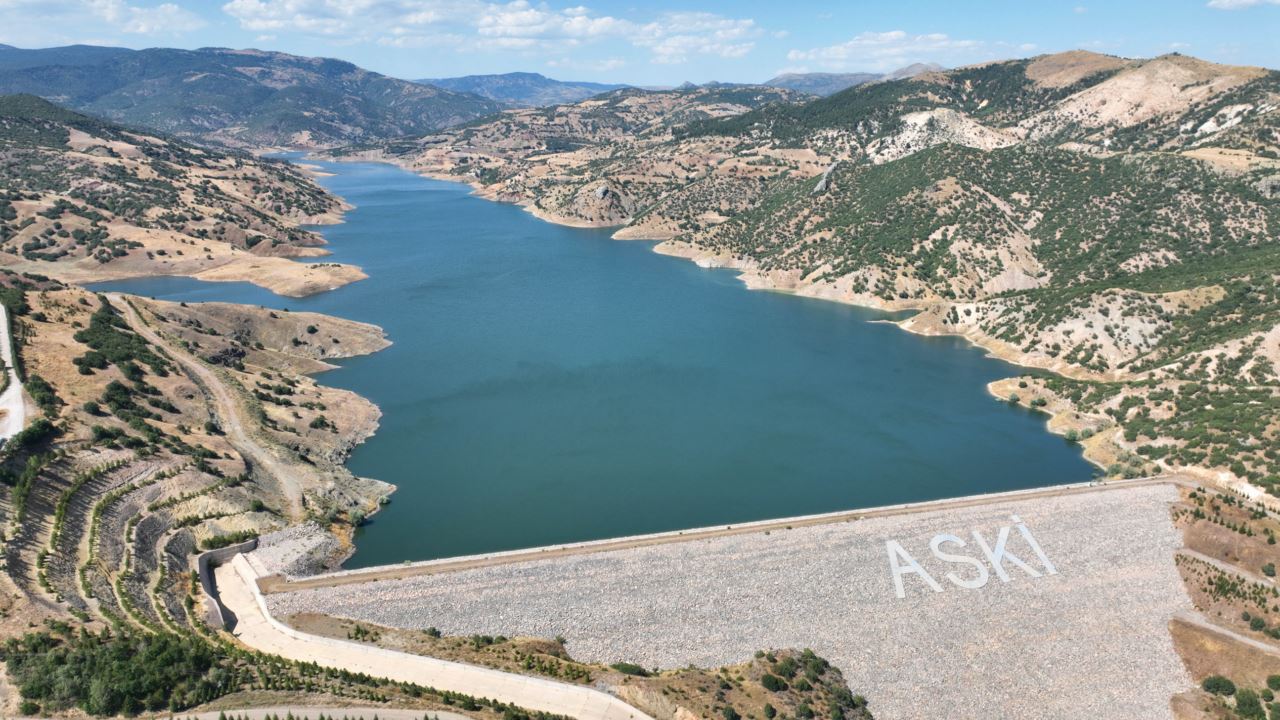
<point>753,279</point>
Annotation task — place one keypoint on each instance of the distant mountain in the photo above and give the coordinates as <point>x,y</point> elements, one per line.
<point>825,84</point>
<point>12,58</point>
<point>912,70</point>
<point>522,89</point>
<point>247,98</point>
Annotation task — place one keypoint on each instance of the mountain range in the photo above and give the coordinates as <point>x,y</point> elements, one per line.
<point>522,89</point>
<point>823,84</point>
<point>247,98</point>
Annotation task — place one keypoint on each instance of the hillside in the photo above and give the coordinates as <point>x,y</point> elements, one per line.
<point>85,199</point>
<point>539,157</point>
<point>12,58</point>
<point>824,84</point>
<point>245,98</point>
<point>821,84</point>
<point>1111,220</point>
<point>522,89</point>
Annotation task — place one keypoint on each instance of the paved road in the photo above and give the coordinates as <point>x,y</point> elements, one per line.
<point>11,402</point>
<point>232,415</point>
<point>308,712</point>
<point>237,588</point>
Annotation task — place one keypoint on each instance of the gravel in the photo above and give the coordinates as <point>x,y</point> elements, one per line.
<point>1090,641</point>
<point>296,550</point>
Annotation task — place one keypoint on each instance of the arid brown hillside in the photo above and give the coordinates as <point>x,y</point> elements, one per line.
<point>87,200</point>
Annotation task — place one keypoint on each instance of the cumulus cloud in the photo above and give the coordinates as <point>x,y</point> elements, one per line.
<point>675,37</point>
<point>107,16</point>
<point>896,48</point>
<point>518,25</point>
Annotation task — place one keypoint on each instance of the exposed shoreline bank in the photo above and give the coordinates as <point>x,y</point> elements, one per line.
<point>926,320</point>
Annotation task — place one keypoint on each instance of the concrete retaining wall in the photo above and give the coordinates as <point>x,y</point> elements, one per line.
<point>215,613</point>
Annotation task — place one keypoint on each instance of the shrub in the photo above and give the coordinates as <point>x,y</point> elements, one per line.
<point>1269,569</point>
<point>627,668</point>
<point>773,683</point>
<point>1273,682</point>
<point>730,714</point>
<point>786,667</point>
<point>1248,705</point>
<point>1218,685</point>
<point>769,711</point>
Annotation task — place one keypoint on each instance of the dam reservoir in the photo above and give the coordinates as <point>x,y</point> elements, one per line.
<point>549,384</point>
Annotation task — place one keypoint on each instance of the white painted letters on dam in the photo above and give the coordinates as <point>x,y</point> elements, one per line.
<point>970,572</point>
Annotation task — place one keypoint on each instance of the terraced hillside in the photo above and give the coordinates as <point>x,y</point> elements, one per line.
<point>134,461</point>
<point>85,199</point>
<point>1113,220</point>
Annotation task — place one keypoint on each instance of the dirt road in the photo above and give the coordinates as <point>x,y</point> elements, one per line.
<point>233,416</point>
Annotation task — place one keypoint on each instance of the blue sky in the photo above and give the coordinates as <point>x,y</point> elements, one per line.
<point>659,42</point>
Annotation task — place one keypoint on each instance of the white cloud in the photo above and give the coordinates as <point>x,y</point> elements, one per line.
<point>1238,4</point>
<point>106,16</point>
<point>675,37</point>
<point>519,25</point>
<point>605,65</point>
<point>894,49</point>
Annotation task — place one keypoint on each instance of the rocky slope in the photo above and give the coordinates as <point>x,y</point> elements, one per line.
<point>244,98</point>
<point>88,200</point>
<point>1112,220</point>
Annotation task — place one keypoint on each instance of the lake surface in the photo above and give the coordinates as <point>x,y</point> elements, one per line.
<point>549,384</point>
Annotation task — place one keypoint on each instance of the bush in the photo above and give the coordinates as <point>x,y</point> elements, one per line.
<point>1218,685</point>
<point>770,711</point>
<point>627,668</point>
<point>221,541</point>
<point>1273,682</point>
<point>730,714</point>
<point>786,667</point>
<point>773,683</point>
<point>1269,569</point>
<point>1248,705</point>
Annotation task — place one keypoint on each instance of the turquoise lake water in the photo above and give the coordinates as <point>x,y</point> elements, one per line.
<point>549,384</point>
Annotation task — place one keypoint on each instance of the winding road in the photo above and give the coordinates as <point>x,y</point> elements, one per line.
<point>11,401</point>
<point>232,415</point>
<point>255,627</point>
